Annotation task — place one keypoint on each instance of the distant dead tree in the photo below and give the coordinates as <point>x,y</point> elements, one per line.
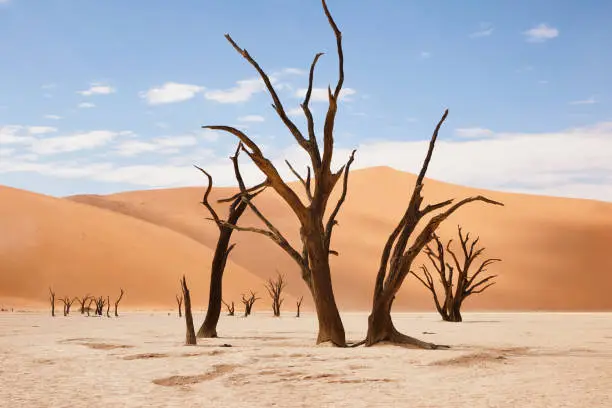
<point>249,302</point>
<point>463,283</point>
<point>107,306</point>
<point>230,308</point>
<point>299,305</point>
<point>318,184</point>
<point>52,300</point>
<point>222,251</point>
<point>397,256</point>
<point>67,304</point>
<point>100,302</point>
<point>275,289</point>
<point>117,302</point>
<point>82,302</point>
<point>91,300</point>
<point>179,302</point>
<point>190,338</point>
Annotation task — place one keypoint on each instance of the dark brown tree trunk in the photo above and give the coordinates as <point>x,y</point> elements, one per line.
<point>179,301</point>
<point>108,306</point>
<point>299,305</point>
<point>215,295</point>
<point>330,324</point>
<point>52,301</point>
<point>190,337</point>
<point>117,302</point>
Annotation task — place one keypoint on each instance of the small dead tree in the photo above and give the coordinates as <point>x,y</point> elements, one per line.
<point>230,308</point>
<point>117,302</point>
<point>397,256</point>
<point>275,289</point>
<point>319,183</point>
<point>67,304</point>
<point>108,306</point>
<point>100,302</point>
<point>190,337</point>
<point>91,300</point>
<point>52,300</point>
<point>299,305</point>
<point>179,301</point>
<point>82,302</point>
<point>249,302</point>
<point>222,251</point>
<point>463,283</point>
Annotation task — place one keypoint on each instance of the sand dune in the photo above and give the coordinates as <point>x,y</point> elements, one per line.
<point>80,249</point>
<point>554,250</point>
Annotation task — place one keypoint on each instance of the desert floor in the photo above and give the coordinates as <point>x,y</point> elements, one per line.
<point>497,360</point>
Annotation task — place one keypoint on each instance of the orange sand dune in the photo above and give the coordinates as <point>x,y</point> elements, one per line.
<point>554,250</point>
<point>79,249</point>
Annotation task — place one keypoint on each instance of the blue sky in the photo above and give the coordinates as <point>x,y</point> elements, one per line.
<point>105,96</point>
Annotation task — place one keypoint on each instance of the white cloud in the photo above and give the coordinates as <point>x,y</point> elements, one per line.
<point>209,135</point>
<point>589,101</point>
<point>97,89</point>
<point>425,54</point>
<point>485,30</point>
<point>171,92</point>
<point>5,151</point>
<point>293,71</point>
<point>161,125</point>
<point>321,94</point>
<point>14,134</point>
<point>296,111</point>
<point>72,143</point>
<point>473,132</point>
<point>163,145</point>
<point>251,118</point>
<point>41,130</point>
<point>52,117</point>
<point>242,92</point>
<point>86,105</point>
<point>541,33</point>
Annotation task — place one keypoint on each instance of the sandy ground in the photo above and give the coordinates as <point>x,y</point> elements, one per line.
<point>497,360</point>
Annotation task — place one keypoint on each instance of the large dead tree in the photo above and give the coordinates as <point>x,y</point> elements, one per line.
<point>298,304</point>
<point>117,302</point>
<point>229,307</point>
<point>248,302</point>
<point>179,302</point>
<point>315,230</point>
<point>190,337</point>
<point>275,289</point>
<point>397,257</point>
<point>67,304</point>
<point>52,301</point>
<point>222,251</point>
<point>82,302</point>
<point>462,282</point>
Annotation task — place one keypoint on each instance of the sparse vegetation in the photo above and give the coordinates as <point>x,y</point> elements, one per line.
<point>229,307</point>
<point>275,289</point>
<point>248,302</point>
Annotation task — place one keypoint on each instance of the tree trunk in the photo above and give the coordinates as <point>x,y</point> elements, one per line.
<point>455,312</point>
<point>209,327</point>
<point>330,324</point>
<point>190,337</point>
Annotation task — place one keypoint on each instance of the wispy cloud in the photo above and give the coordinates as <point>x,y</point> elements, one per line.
<point>162,145</point>
<point>242,92</point>
<point>541,33</point>
<point>171,92</point>
<point>86,105</point>
<point>425,54</point>
<point>321,94</point>
<point>49,85</point>
<point>41,130</point>
<point>97,89</point>
<point>485,30</point>
<point>473,132</point>
<point>251,118</point>
<point>589,101</point>
<point>52,117</point>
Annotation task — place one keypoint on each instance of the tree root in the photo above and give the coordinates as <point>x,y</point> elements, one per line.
<point>400,338</point>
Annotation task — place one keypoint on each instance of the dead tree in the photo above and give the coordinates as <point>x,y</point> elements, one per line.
<point>117,302</point>
<point>299,305</point>
<point>320,180</point>
<point>100,302</point>
<point>108,306</point>
<point>463,283</point>
<point>275,289</point>
<point>67,304</point>
<point>397,256</point>
<point>52,300</point>
<point>222,251</point>
<point>179,301</point>
<point>82,302</point>
<point>230,308</point>
<point>190,338</point>
<point>91,300</point>
<point>249,302</point>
